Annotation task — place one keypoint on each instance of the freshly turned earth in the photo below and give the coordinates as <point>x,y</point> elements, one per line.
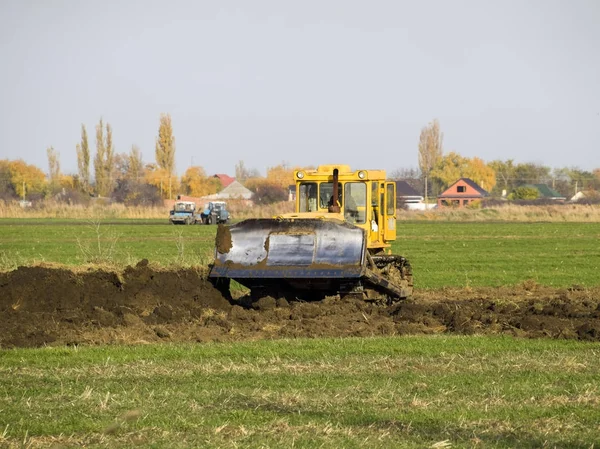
<point>56,306</point>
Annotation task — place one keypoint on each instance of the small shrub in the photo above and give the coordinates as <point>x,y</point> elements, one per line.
<point>524,193</point>
<point>476,204</point>
<point>102,249</point>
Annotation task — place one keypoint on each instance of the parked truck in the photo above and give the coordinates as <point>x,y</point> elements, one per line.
<point>184,212</point>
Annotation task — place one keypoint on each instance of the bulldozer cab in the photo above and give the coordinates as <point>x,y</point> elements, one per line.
<point>363,198</point>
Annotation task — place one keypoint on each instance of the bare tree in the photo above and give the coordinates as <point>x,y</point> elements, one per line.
<point>129,166</point>
<point>241,172</point>
<point>411,175</point>
<point>405,173</point>
<point>128,175</point>
<point>430,150</point>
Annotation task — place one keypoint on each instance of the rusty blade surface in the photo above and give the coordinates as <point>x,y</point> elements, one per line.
<point>289,248</point>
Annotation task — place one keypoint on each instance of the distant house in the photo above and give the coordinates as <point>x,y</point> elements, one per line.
<point>232,192</point>
<point>225,179</point>
<point>407,196</point>
<point>586,196</point>
<point>546,192</point>
<point>461,193</point>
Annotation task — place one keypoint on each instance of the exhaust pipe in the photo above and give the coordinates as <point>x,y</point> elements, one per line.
<point>335,205</point>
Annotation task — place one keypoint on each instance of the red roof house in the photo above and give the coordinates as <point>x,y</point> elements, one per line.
<point>225,179</point>
<point>461,193</point>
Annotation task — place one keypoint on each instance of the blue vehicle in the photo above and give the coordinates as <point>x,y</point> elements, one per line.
<point>215,212</point>
<point>184,212</point>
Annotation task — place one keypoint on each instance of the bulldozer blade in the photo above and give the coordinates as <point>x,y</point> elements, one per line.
<point>289,248</point>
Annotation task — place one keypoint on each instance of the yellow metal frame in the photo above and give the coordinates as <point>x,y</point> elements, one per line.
<point>380,224</point>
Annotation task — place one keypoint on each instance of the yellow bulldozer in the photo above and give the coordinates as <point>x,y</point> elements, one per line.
<point>337,242</point>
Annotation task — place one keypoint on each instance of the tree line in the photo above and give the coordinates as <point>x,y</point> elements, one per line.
<point>437,170</point>
<point>126,178</point>
<point>106,174</point>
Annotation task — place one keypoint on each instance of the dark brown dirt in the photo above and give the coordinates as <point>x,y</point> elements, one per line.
<point>56,306</point>
<point>223,239</point>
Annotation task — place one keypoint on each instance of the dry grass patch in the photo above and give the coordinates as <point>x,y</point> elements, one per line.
<point>240,210</point>
<point>509,212</point>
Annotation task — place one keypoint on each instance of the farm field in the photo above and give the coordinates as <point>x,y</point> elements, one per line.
<point>116,241</point>
<point>405,392</point>
<point>443,254</point>
<point>498,347</point>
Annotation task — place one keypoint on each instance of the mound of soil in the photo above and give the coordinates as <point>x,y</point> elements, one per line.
<point>56,306</point>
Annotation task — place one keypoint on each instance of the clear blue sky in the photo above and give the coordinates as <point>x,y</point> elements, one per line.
<point>305,82</point>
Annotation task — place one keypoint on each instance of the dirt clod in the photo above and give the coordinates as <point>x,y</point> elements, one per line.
<point>265,303</point>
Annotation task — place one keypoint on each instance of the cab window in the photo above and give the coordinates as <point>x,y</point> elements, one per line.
<point>391,200</point>
<point>355,198</point>
<point>308,197</point>
<point>326,194</point>
<point>374,194</point>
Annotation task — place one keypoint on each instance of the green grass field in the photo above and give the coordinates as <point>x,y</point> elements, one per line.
<point>406,392</point>
<point>411,392</point>
<point>77,242</point>
<point>442,253</point>
<point>496,254</point>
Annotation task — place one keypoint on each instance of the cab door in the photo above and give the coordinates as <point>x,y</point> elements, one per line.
<point>389,233</point>
<point>376,217</point>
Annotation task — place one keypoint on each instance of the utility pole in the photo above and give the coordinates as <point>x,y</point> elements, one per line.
<point>23,190</point>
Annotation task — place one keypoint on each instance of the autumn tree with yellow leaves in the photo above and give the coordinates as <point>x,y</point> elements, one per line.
<point>195,183</point>
<point>165,145</point>
<point>158,177</point>
<point>83,160</point>
<point>104,160</point>
<point>430,150</point>
<point>22,179</point>
<point>53,168</point>
<point>281,176</point>
<point>453,166</point>
<point>136,164</point>
<point>274,187</point>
